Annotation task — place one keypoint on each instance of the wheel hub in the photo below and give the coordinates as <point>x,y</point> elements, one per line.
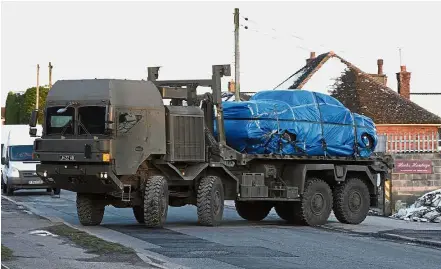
<point>163,205</point>
<point>317,203</point>
<point>355,201</point>
<point>216,203</point>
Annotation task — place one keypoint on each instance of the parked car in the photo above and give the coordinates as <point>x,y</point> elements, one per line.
<point>18,166</point>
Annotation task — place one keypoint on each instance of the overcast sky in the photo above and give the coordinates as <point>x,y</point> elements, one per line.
<point>119,40</point>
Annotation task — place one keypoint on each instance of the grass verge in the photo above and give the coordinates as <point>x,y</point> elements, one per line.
<point>6,253</point>
<point>91,243</point>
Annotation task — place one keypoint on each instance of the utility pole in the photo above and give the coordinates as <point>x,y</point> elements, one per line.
<point>50,76</point>
<point>38,87</point>
<point>236,55</point>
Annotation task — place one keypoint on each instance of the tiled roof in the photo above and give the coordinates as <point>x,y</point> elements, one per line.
<point>363,94</point>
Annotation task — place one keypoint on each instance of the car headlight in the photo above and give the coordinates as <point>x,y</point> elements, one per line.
<point>13,172</point>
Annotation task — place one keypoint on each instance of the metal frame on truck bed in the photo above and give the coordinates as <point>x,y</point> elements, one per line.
<point>148,156</point>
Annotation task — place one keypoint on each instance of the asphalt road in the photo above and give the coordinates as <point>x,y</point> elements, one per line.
<point>240,244</point>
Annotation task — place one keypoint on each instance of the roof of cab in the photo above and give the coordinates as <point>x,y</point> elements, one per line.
<point>138,93</point>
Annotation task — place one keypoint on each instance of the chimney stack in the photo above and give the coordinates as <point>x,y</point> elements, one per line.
<point>403,79</point>
<point>380,66</point>
<point>380,76</point>
<point>311,57</point>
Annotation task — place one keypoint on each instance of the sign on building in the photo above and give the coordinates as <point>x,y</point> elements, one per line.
<point>413,166</point>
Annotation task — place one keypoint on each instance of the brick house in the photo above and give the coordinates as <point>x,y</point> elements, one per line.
<point>409,132</point>
<point>405,124</point>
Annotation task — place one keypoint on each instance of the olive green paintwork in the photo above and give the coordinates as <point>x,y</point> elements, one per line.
<point>137,112</point>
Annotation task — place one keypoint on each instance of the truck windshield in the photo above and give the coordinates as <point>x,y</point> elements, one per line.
<point>93,118</point>
<point>57,122</point>
<point>21,153</point>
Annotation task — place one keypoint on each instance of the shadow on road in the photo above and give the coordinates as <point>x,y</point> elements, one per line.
<point>226,223</point>
<point>22,193</point>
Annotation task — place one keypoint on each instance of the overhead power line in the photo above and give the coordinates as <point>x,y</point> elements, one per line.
<point>273,37</point>
<point>425,93</point>
<point>292,35</point>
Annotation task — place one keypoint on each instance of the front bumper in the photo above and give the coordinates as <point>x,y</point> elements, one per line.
<point>78,177</point>
<point>27,183</point>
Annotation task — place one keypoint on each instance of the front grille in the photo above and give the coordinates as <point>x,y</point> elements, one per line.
<point>29,174</point>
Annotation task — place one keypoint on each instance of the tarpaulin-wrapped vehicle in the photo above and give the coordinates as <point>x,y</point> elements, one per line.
<point>114,142</point>
<point>297,122</point>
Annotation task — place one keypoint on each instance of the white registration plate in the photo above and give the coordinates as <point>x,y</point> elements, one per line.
<point>36,182</point>
<point>67,158</point>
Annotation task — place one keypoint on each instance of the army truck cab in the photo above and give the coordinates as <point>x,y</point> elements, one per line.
<point>114,142</point>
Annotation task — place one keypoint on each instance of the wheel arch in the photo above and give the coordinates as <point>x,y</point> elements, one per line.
<point>229,181</point>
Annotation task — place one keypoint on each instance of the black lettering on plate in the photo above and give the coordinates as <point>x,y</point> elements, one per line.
<point>67,158</point>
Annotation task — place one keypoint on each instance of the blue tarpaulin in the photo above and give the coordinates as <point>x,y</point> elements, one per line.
<point>297,122</point>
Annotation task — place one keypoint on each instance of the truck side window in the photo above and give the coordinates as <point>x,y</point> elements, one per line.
<point>126,121</point>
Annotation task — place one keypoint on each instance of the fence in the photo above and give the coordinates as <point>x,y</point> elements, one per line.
<point>409,143</point>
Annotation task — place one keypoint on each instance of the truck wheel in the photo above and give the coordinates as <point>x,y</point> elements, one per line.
<point>290,211</point>
<point>90,210</point>
<point>57,191</point>
<point>210,201</point>
<point>138,211</point>
<point>177,202</point>
<point>253,211</point>
<point>284,211</point>
<point>316,204</point>
<point>48,190</point>
<point>351,201</point>
<point>155,201</point>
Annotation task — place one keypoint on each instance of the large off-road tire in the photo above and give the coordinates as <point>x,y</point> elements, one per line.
<point>285,210</point>
<point>155,202</point>
<point>90,209</point>
<point>290,212</point>
<point>210,201</point>
<point>253,211</point>
<point>316,203</point>
<point>138,211</point>
<point>57,191</point>
<point>177,202</point>
<point>351,201</point>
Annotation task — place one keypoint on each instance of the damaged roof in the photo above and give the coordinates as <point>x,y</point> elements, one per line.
<point>366,96</point>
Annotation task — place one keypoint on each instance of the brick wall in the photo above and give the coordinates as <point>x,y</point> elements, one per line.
<point>406,129</point>
<point>410,138</point>
<point>408,187</point>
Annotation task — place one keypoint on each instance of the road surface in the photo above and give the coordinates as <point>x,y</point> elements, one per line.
<point>240,244</point>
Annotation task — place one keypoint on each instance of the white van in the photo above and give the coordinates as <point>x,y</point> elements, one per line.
<point>18,171</point>
<point>17,128</point>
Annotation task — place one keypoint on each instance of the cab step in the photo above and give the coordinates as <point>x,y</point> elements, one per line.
<point>126,194</point>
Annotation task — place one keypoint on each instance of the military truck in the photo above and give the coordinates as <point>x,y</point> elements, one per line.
<point>114,142</point>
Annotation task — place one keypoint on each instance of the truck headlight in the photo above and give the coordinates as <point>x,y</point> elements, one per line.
<point>13,172</point>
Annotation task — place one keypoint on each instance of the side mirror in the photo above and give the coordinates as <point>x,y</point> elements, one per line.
<point>32,132</point>
<point>3,160</point>
<point>33,119</point>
